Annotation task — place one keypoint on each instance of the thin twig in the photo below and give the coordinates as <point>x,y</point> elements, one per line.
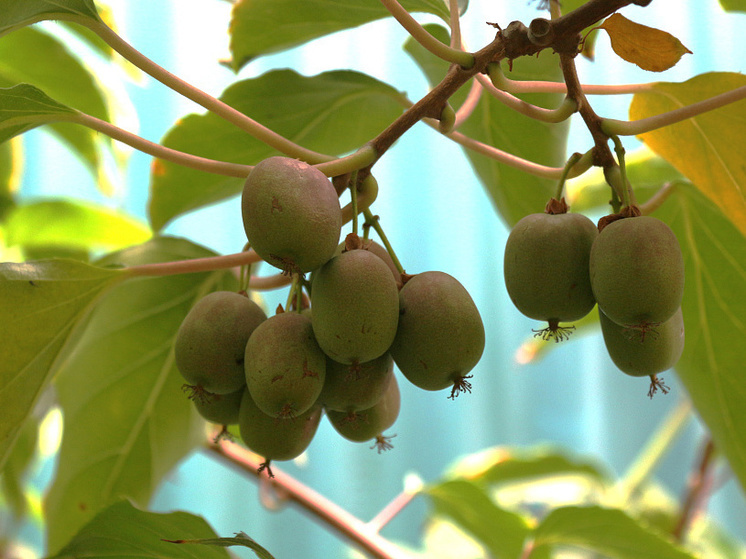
<point>560,114</point>
<point>698,489</point>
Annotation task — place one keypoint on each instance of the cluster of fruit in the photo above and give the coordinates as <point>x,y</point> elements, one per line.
<point>559,265</point>
<point>276,376</point>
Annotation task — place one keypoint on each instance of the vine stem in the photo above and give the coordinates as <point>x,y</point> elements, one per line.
<point>324,510</point>
<point>424,38</point>
<point>699,485</point>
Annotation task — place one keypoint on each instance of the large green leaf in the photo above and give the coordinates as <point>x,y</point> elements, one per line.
<point>33,56</point>
<point>334,112</point>
<point>263,26</point>
<point>501,532</point>
<point>23,107</point>
<point>122,530</point>
<point>127,421</point>
<point>41,304</point>
<point>608,531</point>
<point>11,170</point>
<point>514,192</point>
<point>15,14</point>
<point>708,148</point>
<point>13,488</point>
<point>72,224</point>
<point>714,308</point>
<point>733,5</point>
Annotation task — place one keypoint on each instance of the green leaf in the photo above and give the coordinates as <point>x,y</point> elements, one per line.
<point>707,149</point>
<point>122,530</point>
<point>608,531</point>
<point>12,476</point>
<point>33,56</point>
<point>260,27</point>
<point>41,303</point>
<point>11,170</point>
<point>15,14</point>
<point>714,308</point>
<point>239,539</point>
<point>127,421</point>
<point>23,107</point>
<point>334,112</point>
<point>501,532</point>
<point>733,5</point>
<point>72,224</point>
<point>514,193</point>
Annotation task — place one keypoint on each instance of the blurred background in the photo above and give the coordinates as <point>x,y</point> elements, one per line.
<point>437,217</point>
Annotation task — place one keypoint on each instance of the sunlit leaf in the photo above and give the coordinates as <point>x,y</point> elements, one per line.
<point>13,475</point>
<point>41,303</point>
<point>127,421</point>
<point>467,505</point>
<point>263,26</point>
<point>240,540</point>
<point>19,13</point>
<point>122,530</point>
<point>708,148</point>
<point>515,193</point>
<point>23,107</point>
<point>11,170</point>
<point>733,5</point>
<point>311,111</point>
<point>72,224</point>
<point>608,531</point>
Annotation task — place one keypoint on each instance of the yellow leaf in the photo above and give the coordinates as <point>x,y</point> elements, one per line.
<point>708,148</point>
<point>651,49</point>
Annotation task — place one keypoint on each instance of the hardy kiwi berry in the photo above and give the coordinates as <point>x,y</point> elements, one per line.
<point>546,268</point>
<point>356,387</point>
<point>440,335</point>
<point>220,408</point>
<point>210,343</point>
<point>355,306</point>
<point>637,272</point>
<point>291,214</point>
<point>285,367</point>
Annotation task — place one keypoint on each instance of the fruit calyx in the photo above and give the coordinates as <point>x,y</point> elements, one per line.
<point>625,212</point>
<point>383,443</point>
<point>555,207</point>
<point>460,385</point>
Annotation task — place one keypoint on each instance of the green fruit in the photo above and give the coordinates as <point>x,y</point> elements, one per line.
<point>210,343</point>
<point>637,271</point>
<point>273,438</point>
<point>546,266</point>
<point>285,367</point>
<point>440,335</point>
<point>644,353</point>
<point>291,214</point>
<point>364,425</point>
<point>220,408</point>
<point>355,307</point>
<point>356,387</point>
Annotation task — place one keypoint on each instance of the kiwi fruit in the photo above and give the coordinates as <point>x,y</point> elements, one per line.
<point>211,340</point>
<point>291,214</point>
<point>355,307</point>
<point>440,335</point>
<point>356,387</point>
<point>220,408</point>
<point>367,424</point>
<point>637,272</point>
<point>285,367</point>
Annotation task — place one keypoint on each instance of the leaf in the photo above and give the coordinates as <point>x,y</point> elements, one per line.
<point>11,171</point>
<point>514,193</point>
<point>127,421</point>
<point>608,531</point>
<point>733,5</point>
<point>12,476</point>
<point>240,539</point>
<point>72,224</point>
<point>260,27</point>
<point>41,303</point>
<point>501,532</point>
<point>122,530</point>
<point>23,107</point>
<point>333,112</point>
<point>714,308</point>
<point>649,48</point>
<point>15,14</point>
<point>708,148</point>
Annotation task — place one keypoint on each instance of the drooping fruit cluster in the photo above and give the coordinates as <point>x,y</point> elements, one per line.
<point>559,265</point>
<point>337,355</point>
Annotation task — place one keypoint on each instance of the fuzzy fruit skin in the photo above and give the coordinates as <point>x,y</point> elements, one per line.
<point>356,387</point>
<point>355,307</point>
<point>638,356</point>
<point>546,266</point>
<point>285,367</point>
<point>291,214</point>
<point>364,425</point>
<point>637,271</point>
<point>440,336</point>
<point>273,438</point>
<point>210,343</point>
<point>220,408</point>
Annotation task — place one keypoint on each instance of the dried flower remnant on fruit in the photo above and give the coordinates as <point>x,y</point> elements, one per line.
<point>265,466</point>
<point>460,385</point>
<point>656,383</point>
<point>382,443</point>
<point>554,332</point>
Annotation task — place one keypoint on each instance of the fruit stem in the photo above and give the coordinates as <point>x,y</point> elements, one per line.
<point>372,221</point>
<point>574,158</point>
<point>700,482</point>
<point>628,195</point>
<point>353,196</point>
